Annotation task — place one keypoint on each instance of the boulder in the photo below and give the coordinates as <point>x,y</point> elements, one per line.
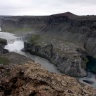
<point>3,42</point>
<point>88,81</point>
<point>5,51</point>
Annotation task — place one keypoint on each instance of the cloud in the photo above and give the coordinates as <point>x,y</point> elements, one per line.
<point>46,7</point>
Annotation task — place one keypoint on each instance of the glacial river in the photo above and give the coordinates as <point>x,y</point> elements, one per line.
<point>16,44</point>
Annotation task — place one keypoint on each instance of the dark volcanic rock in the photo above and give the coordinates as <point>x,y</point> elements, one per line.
<point>2,50</point>
<point>5,51</point>
<point>91,64</point>
<point>3,42</point>
<point>72,65</point>
<point>89,82</point>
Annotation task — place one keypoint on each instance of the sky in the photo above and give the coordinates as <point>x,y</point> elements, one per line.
<point>47,7</point>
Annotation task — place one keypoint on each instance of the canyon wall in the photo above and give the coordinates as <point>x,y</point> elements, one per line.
<point>78,29</point>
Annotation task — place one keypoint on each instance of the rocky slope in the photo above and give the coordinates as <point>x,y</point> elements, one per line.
<point>66,56</point>
<point>31,79</point>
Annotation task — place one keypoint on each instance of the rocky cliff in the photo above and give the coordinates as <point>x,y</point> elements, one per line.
<point>78,29</point>
<point>3,42</point>
<point>66,56</point>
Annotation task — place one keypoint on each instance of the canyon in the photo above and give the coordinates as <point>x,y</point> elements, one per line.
<point>21,75</point>
<point>65,32</point>
<point>65,39</point>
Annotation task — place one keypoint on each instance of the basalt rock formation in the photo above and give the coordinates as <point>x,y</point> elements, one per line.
<point>69,59</point>
<point>31,79</point>
<point>3,42</point>
<point>67,27</point>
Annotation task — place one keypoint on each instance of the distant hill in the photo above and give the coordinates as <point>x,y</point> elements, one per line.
<point>68,14</point>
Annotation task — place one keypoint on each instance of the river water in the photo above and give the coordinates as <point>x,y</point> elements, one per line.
<point>16,44</point>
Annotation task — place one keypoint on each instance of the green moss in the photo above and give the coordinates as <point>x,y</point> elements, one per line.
<point>4,60</point>
<point>59,51</point>
<point>13,30</point>
<point>34,39</point>
<point>86,60</point>
<point>24,29</point>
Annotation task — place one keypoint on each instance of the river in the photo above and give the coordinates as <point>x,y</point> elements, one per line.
<point>16,44</point>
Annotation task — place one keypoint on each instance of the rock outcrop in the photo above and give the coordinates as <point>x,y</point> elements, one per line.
<point>67,57</point>
<point>31,79</point>
<point>3,42</point>
<point>15,58</point>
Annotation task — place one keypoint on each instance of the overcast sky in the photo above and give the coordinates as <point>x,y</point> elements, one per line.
<point>47,7</point>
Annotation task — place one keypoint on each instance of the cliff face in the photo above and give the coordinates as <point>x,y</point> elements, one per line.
<point>67,57</point>
<point>23,24</point>
<point>77,29</point>
<point>3,42</point>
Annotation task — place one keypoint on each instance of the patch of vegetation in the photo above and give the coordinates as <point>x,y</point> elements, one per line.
<point>94,56</point>
<point>34,39</point>
<point>58,50</point>
<point>13,30</point>
<point>86,60</point>
<point>4,60</point>
<point>24,29</point>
